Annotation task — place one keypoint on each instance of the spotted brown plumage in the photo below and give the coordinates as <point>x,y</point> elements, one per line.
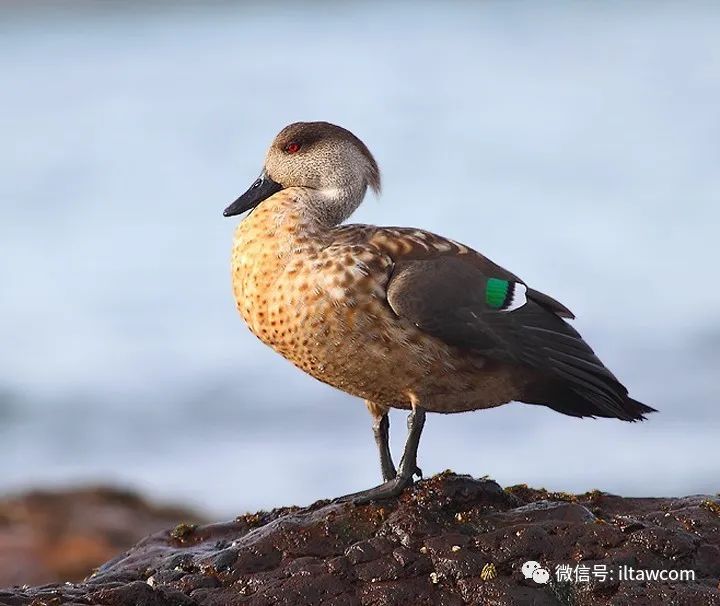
<point>400,317</point>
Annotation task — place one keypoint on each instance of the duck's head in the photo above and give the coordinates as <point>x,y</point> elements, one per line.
<point>327,160</point>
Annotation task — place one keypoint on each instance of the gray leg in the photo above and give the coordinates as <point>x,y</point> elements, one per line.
<point>408,465</point>
<point>415,424</point>
<point>381,430</point>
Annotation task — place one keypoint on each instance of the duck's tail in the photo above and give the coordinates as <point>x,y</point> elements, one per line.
<point>578,402</point>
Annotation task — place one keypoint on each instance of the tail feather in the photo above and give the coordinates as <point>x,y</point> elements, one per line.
<point>579,402</point>
<point>642,408</point>
<point>570,377</point>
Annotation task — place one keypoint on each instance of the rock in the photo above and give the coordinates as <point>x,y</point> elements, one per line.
<point>63,535</point>
<point>448,541</point>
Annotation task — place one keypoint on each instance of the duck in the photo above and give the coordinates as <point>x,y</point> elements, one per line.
<point>400,317</point>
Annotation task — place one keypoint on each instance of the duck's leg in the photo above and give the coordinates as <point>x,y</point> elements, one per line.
<point>408,465</point>
<point>415,424</point>
<point>381,431</point>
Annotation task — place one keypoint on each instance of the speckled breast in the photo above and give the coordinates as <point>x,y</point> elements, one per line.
<point>320,301</point>
<point>321,305</point>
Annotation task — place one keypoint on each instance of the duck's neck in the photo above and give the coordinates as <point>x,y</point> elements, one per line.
<point>279,224</point>
<point>331,206</point>
<point>298,213</point>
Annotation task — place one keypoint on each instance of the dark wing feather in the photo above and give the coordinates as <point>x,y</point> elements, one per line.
<point>445,296</point>
<point>428,293</point>
<point>549,303</point>
<point>427,246</point>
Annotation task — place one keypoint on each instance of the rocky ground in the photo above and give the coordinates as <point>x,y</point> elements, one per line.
<point>48,536</point>
<point>450,540</point>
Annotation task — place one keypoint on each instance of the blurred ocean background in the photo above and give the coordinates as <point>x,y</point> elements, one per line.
<point>577,144</point>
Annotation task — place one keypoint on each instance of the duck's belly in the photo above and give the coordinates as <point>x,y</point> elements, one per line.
<point>346,335</point>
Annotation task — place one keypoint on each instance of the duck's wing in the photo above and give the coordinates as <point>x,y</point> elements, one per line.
<point>466,300</point>
<point>404,244</point>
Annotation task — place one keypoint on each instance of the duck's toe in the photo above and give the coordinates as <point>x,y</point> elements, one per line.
<point>388,490</point>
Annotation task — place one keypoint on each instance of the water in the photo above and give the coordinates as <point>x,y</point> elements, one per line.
<point>577,145</point>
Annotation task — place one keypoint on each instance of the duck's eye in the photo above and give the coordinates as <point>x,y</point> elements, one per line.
<point>292,147</point>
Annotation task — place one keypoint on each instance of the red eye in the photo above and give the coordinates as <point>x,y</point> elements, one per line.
<point>292,147</point>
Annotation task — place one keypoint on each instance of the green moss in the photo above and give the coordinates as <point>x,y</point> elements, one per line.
<point>253,520</point>
<point>488,572</point>
<point>711,506</point>
<point>183,531</point>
